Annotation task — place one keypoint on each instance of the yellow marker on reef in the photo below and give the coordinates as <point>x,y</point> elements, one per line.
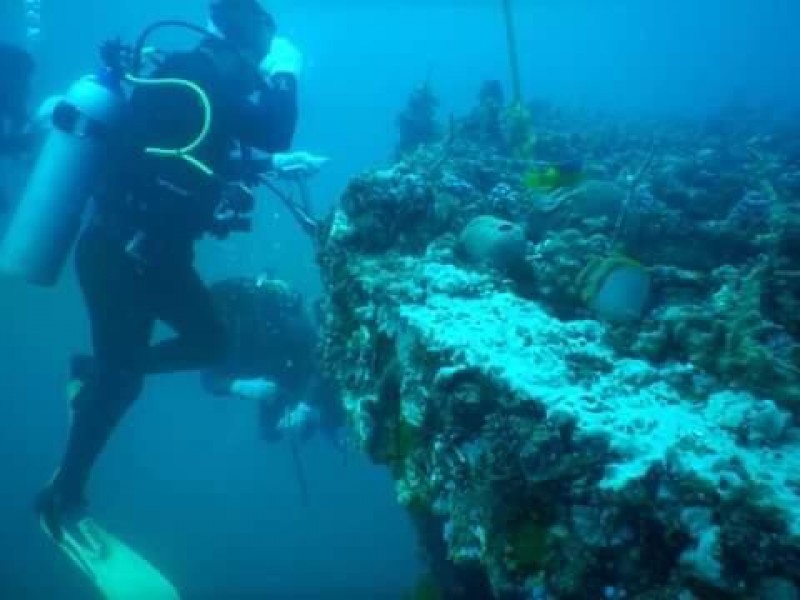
<point>553,177</point>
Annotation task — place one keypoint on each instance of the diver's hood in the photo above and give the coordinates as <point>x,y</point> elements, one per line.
<point>230,17</point>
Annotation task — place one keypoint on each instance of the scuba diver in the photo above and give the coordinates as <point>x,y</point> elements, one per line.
<point>16,67</point>
<point>271,358</point>
<point>17,137</point>
<point>134,258</point>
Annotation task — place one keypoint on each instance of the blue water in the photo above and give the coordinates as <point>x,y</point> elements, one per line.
<point>186,479</point>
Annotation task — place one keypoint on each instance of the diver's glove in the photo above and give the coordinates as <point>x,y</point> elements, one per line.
<point>302,164</point>
<point>299,422</point>
<point>254,389</point>
<point>283,59</point>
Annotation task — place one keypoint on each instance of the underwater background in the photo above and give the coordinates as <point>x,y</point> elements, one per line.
<point>186,479</point>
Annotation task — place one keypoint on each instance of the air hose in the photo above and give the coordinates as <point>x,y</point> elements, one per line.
<point>184,152</point>
<point>141,42</point>
<point>133,77</point>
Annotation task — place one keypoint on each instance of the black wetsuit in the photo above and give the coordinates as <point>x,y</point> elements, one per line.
<point>135,258</point>
<point>271,336</point>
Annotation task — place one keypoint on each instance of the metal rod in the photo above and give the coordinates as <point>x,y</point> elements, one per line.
<point>513,57</point>
<point>299,470</point>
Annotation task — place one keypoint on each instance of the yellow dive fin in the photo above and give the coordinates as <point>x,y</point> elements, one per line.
<point>113,568</point>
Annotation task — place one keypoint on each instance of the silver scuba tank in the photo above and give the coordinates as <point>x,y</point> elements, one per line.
<point>70,165</point>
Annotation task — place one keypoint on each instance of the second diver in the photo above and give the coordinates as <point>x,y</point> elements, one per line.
<point>134,259</point>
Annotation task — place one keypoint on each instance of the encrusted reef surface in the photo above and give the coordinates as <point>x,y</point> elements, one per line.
<point>550,438</point>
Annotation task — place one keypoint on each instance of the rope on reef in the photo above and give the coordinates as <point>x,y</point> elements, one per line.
<point>633,186</point>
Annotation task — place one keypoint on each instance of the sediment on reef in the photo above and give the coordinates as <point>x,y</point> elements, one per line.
<point>542,452</point>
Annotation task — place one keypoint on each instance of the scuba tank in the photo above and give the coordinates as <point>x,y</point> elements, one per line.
<point>78,152</point>
<point>74,157</point>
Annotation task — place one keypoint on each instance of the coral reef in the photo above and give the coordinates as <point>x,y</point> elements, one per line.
<point>417,125</point>
<point>542,449</point>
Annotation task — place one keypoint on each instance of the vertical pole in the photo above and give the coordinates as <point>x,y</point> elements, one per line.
<point>299,471</point>
<point>511,36</point>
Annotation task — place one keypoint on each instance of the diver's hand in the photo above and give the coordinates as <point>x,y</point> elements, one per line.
<point>299,421</point>
<point>254,389</point>
<point>283,59</point>
<point>303,164</point>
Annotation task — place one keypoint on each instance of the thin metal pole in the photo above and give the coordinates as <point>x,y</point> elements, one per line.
<point>513,57</point>
<point>299,470</point>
